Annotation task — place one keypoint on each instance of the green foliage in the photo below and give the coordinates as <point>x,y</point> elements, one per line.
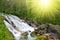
<point>42,37</point>
<point>4,33</point>
<point>24,11</point>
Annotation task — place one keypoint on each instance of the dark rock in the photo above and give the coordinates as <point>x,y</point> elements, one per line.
<point>54,30</point>
<point>25,34</point>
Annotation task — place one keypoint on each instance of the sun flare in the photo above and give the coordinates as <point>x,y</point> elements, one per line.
<point>45,3</point>
<point>44,8</point>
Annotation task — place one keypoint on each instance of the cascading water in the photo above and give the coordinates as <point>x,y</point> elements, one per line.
<point>30,37</point>
<point>15,33</point>
<point>20,25</point>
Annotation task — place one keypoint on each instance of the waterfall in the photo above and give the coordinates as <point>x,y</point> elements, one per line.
<point>19,24</point>
<point>15,33</point>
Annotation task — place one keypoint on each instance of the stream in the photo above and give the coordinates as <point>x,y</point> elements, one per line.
<point>17,26</point>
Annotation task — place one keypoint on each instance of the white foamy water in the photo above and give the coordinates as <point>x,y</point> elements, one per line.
<point>30,37</point>
<point>15,33</point>
<point>19,24</point>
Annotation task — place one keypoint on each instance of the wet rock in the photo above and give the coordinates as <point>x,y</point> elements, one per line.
<point>50,38</point>
<point>31,22</point>
<point>33,34</point>
<point>48,29</point>
<point>25,34</point>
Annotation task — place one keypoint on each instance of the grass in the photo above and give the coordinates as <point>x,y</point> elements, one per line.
<point>4,32</point>
<point>41,37</point>
<point>28,12</point>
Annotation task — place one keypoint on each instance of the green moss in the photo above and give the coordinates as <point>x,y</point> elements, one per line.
<point>4,32</point>
<point>41,37</point>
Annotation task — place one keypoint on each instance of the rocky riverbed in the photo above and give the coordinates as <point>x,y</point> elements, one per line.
<point>22,31</point>
<point>49,30</point>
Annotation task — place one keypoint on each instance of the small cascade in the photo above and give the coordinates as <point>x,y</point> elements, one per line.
<point>15,33</point>
<point>12,22</point>
<point>30,37</point>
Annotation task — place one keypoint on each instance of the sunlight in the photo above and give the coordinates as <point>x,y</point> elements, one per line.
<point>44,8</point>
<point>45,3</point>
